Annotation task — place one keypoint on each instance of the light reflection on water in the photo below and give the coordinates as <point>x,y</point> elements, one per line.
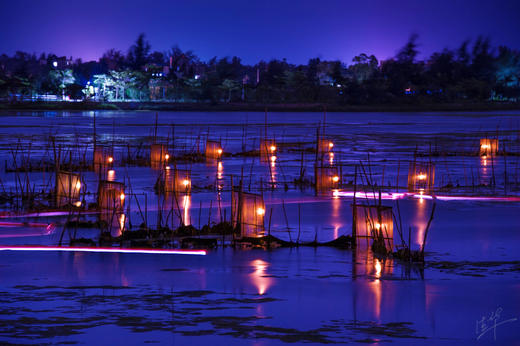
<point>259,276</point>
<point>420,219</point>
<point>186,204</point>
<point>111,175</point>
<point>300,295</point>
<point>272,170</point>
<point>483,229</point>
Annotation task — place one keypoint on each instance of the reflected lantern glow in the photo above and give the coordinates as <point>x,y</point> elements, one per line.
<point>220,170</point>
<point>377,266</point>
<point>111,175</point>
<point>186,204</point>
<point>258,277</point>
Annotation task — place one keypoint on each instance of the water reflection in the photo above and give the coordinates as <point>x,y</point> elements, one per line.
<point>175,208</point>
<point>420,220</point>
<point>336,217</point>
<point>220,177</point>
<point>272,170</point>
<point>368,293</point>
<point>259,277</point>
<point>485,170</point>
<point>220,170</point>
<point>109,268</point>
<point>186,205</point>
<point>111,175</point>
<point>115,222</point>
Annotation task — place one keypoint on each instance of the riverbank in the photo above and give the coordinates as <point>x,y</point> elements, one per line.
<point>254,107</point>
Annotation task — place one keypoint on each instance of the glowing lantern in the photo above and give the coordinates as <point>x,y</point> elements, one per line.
<point>267,149</point>
<point>247,212</point>
<point>374,221</point>
<point>324,146</point>
<point>326,178</point>
<point>111,202</point>
<point>176,181</point>
<point>213,150</point>
<point>158,155</point>
<point>102,159</point>
<point>488,147</point>
<point>421,177</point>
<point>111,196</point>
<point>67,189</point>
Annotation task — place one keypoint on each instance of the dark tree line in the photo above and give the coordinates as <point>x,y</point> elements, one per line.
<point>475,71</point>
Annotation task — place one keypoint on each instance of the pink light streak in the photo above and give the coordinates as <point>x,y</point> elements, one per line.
<point>105,250</point>
<point>22,224</point>
<point>43,214</point>
<point>399,195</point>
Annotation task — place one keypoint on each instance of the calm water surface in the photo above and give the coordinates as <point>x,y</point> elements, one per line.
<point>281,296</point>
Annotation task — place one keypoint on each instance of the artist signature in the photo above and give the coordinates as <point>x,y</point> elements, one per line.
<point>490,323</point>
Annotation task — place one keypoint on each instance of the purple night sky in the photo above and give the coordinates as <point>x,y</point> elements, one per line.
<point>296,30</point>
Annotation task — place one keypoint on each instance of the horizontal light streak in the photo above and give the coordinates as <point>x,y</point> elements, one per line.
<point>25,224</point>
<point>105,250</point>
<point>399,195</point>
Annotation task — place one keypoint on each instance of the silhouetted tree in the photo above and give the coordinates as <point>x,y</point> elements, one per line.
<point>138,53</point>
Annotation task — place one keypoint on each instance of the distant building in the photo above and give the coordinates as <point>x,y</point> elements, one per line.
<point>59,62</point>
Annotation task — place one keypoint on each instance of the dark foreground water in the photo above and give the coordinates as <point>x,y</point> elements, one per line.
<point>467,293</point>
